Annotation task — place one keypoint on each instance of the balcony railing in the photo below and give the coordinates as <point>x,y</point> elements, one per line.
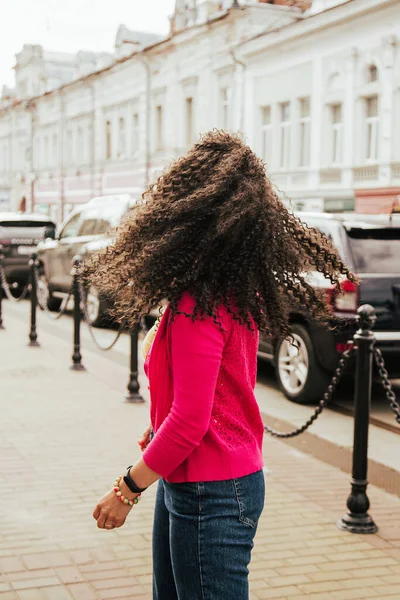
<point>333,175</point>
<point>367,173</point>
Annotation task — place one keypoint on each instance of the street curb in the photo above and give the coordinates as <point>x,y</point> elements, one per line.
<point>338,456</point>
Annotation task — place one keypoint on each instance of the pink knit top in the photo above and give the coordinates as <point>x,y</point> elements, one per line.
<point>204,412</point>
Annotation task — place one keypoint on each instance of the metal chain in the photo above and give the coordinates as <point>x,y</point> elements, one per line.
<point>82,294</point>
<point>42,302</point>
<point>322,403</point>
<point>387,386</point>
<point>7,289</point>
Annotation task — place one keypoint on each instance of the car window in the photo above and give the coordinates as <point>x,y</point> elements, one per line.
<point>102,226</point>
<point>89,227</point>
<point>71,228</point>
<point>375,250</point>
<point>109,217</point>
<point>26,224</point>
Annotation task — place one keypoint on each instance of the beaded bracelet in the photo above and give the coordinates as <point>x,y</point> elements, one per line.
<point>120,496</point>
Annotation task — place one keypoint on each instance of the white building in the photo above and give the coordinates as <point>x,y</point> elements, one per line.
<point>316,90</point>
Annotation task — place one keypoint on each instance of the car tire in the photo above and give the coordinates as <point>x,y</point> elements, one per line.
<point>298,372</point>
<point>96,308</point>
<point>53,304</point>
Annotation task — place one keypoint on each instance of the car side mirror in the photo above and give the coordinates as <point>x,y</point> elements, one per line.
<point>49,233</point>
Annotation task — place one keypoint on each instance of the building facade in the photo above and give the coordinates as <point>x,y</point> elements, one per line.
<point>315,88</point>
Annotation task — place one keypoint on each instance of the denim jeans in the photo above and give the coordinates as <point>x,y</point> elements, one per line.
<point>203,536</point>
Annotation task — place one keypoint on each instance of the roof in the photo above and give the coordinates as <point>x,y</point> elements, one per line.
<point>142,38</point>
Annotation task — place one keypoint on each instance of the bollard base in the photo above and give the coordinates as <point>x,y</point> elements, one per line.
<point>2,326</point>
<point>357,523</point>
<point>134,398</point>
<point>77,367</point>
<point>34,344</point>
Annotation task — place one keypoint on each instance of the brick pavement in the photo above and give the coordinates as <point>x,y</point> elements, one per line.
<point>62,437</point>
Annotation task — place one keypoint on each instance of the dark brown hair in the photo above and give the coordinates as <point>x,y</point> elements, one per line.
<point>213,225</point>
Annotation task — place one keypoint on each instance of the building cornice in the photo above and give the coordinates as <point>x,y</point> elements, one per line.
<point>311,24</point>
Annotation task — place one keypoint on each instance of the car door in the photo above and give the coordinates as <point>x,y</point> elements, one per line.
<point>65,252</point>
<point>87,232</point>
<point>51,253</point>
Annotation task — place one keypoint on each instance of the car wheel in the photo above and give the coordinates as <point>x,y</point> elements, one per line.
<point>299,375</point>
<point>45,296</point>
<point>95,307</point>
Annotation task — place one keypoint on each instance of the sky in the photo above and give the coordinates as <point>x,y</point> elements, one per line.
<point>72,25</point>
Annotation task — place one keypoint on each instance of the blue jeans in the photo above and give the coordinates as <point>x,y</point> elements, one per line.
<point>203,536</point>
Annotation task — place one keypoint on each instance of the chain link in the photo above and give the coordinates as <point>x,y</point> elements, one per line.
<point>84,307</point>
<point>7,288</point>
<point>387,386</point>
<point>327,397</point>
<point>42,299</point>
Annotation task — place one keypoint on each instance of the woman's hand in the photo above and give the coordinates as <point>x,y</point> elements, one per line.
<point>111,513</point>
<point>145,441</point>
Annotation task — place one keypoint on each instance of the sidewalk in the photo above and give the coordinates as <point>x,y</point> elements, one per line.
<point>63,434</point>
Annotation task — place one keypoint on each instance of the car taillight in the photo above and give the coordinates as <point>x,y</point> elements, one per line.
<point>347,300</point>
<point>340,347</point>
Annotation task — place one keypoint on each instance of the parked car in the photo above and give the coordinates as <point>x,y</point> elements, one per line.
<point>20,233</point>
<point>370,246</point>
<point>86,229</point>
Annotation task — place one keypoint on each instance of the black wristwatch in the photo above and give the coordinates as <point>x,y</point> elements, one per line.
<point>131,484</point>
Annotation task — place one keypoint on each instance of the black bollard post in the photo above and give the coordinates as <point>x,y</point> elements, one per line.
<point>133,394</point>
<point>1,289</point>
<point>357,519</point>
<point>76,355</point>
<point>32,279</point>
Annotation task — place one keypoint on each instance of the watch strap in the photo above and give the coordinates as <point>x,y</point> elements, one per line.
<point>131,484</point>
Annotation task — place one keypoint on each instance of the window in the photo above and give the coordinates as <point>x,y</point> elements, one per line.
<point>54,149</point>
<point>226,96</point>
<point>372,128</point>
<point>89,144</point>
<point>305,126</point>
<point>284,135</point>
<point>266,133</point>
<point>80,150</point>
<point>69,146</point>
<point>21,155</point>
<point>108,140</point>
<point>71,228</point>
<point>46,151</point>
<point>189,121</point>
<point>159,128</point>
<point>336,134</point>
<point>121,138</point>
<point>372,74</point>
<point>38,152</point>
<point>4,159</point>
<point>135,133</point>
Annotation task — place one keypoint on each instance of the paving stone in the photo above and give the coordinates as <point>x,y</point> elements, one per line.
<point>53,551</point>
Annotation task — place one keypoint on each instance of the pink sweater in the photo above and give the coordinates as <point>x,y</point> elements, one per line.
<point>204,412</point>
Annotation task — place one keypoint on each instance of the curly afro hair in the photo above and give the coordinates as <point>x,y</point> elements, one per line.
<point>213,225</point>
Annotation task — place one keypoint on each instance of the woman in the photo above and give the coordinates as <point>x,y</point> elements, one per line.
<point>213,239</point>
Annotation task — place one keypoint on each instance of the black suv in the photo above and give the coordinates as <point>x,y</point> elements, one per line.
<point>20,233</point>
<point>86,230</point>
<point>370,246</point>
